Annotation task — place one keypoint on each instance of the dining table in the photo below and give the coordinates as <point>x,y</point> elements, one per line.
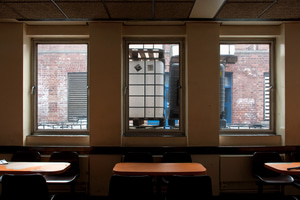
<point>44,168</point>
<point>290,168</point>
<point>159,169</point>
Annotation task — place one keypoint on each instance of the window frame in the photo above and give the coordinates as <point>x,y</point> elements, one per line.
<point>154,132</point>
<point>34,75</point>
<point>272,77</point>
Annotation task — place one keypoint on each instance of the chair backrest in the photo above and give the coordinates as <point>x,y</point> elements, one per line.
<point>176,157</point>
<point>25,187</point>
<point>189,187</point>
<point>130,187</point>
<point>67,156</point>
<point>26,156</point>
<point>295,156</point>
<point>260,158</point>
<point>145,157</point>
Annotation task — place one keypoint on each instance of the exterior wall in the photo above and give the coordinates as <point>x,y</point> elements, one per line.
<point>248,84</point>
<point>53,90</point>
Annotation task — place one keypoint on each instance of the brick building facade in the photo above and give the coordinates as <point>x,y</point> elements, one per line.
<point>249,100</point>
<point>55,63</point>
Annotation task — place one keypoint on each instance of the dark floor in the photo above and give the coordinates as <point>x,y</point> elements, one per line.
<point>273,196</point>
<point>255,197</point>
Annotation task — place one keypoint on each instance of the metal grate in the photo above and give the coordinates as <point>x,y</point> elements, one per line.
<point>77,96</point>
<point>266,96</point>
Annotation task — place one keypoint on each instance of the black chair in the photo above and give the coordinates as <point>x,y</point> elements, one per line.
<point>130,187</point>
<point>144,157</point>
<point>176,157</point>
<point>266,176</point>
<point>295,157</point>
<point>189,187</point>
<point>25,187</point>
<point>68,177</point>
<point>26,156</point>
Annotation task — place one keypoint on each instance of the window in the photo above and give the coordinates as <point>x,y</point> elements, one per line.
<point>246,86</point>
<point>60,87</point>
<point>153,88</point>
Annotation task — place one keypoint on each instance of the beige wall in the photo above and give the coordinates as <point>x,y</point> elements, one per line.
<point>202,107</point>
<point>106,83</point>
<point>11,83</point>
<point>292,83</point>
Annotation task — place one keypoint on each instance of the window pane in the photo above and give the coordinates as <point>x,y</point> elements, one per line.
<point>244,86</point>
<point>61,86</point>
<point>153,86</point>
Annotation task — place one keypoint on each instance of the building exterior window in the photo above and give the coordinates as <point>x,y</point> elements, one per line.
<point>60,87</point>
<point>153,88</point>
<point>246,86</point>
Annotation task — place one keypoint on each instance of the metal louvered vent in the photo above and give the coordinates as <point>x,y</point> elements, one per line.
<point>77,96</point>
<point>267,96</point>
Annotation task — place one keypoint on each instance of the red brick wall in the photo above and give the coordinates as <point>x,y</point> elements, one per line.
<point>53,69</point>
<point>248,83</point>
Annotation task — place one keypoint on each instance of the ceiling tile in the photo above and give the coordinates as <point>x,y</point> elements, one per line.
<point>236,10</point>
<point>8,13</point>
<point>23,1</point>
<point>249,1</point>
<point>174,10</point>
<point>37,10</point>
<point>241,10</point>
<point>127,1</point>
<point>85,10</point>
<point>132,10</point>
<point>206,8</point>
<point>284,9</point>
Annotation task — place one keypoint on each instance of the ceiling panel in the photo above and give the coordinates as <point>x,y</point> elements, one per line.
<point>241,10</point>
<point>8,13</point>
<point>143,10</point>
<point>176,10</point>
<point>206,8</point>
<point>284,9</point>
<point>39,10</point>
<point>85,10</point>
<point>24,1</point>
<point>130,10</point>
<point>249,1</point>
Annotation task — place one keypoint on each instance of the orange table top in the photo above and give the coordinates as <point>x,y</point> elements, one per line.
<point>282,167</point>
<point>34,167</point>
<point>159,169</point>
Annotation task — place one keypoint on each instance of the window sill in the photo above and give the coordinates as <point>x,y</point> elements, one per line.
<point>250,140</point>
<point>154,141</point>
<point>57,140</point>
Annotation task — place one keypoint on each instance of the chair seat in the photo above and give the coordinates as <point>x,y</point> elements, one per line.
<point>68,177</point>
<point>60,178</point>
<point>280,179</point>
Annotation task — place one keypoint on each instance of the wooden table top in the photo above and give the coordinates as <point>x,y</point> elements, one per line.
<point>34,167</point>
<point>282,167</point>
<point>159,169</point>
